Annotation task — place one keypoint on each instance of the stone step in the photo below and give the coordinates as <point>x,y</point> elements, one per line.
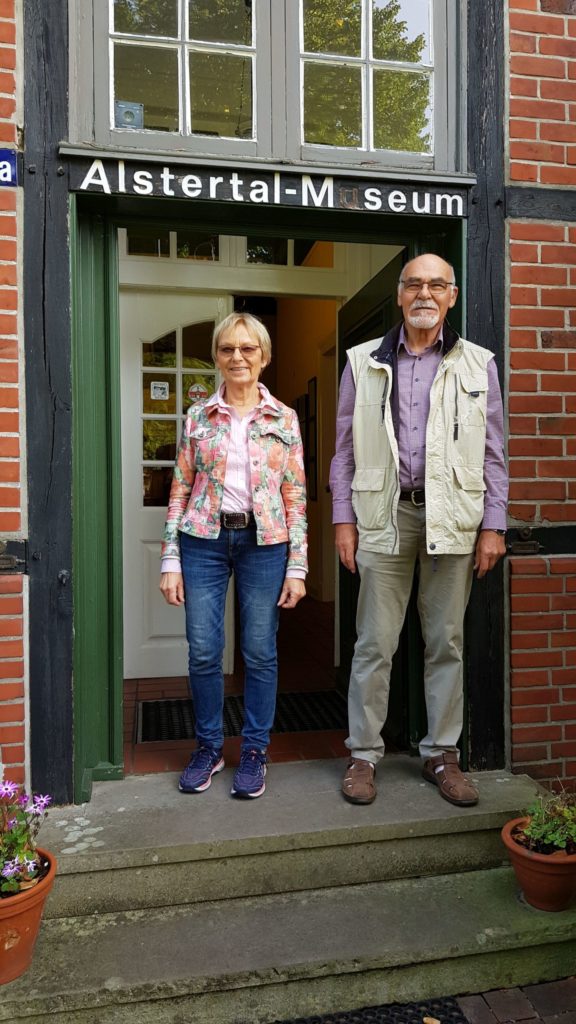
<point>270,958</point>
<point>140,843</point>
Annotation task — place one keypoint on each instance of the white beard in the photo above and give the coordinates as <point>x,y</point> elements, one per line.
<point>424,319</point>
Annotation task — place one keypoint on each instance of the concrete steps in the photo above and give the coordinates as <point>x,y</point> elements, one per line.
<point>194,909</point>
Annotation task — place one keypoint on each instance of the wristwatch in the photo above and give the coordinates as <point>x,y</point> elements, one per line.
<point>501,533</point>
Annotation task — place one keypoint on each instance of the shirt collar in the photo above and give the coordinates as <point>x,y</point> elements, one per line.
<point>266,402</point>
<point>439,343</point>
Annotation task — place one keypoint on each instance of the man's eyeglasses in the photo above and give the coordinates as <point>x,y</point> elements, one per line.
<point>437,285</point>
<point>247,351</point>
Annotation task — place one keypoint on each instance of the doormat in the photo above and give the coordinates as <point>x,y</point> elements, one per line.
<point>445,1011</point>
<point>162,720</point>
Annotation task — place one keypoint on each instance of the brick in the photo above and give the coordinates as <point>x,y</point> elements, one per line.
<point>17,774</point>
<point>557,47</point>
<point>559,339</point>
<point>559,254</point>
<point>523,296</point>
<point>537,67</point>
<point>538,621</point>
<point>547,360</point>
<point>519,490</point>
<point>530,641</point>
<point>13,754</point>
<point>549,468</point>
<point>10,627</point>
<point>10,522</point>
<point>537,317</point>
<point>563,602</point>
<point>7,58</point>
<point>552,89</point>
<point>8,398</point>
<point>562,565</point>
<point>550,659</point>
<point>12,712</point>
<point>525,5</point>
<point>524,469</point>
<point>9,497</point>
<point>540,771</point>
<point>522,129</point>
<point>558,133</point>
<point>528,714</point>
<point>523,382</point>
<point>565,513</point>
<point>11,734</point>
<point>538,24</point>
<point>521,513</point>
<point>518,425</point>
<point>556,425</point>
<point>558,296</point>
<point>523,253</point>
<point>531,752</point>
<point>7,247</point>
<point>553,382</point>
<point>10,605</point>
<point>537,232</point>
<point>545,695</point>
<point>536,585</point>
<point>10,585</point>
<point>11,691</point>
<point>522,43</point>
<point>8,373</point>
<point>524,86</point>
<point>523,677</point>
<point>570,403</point>
<point>538,275</point>
<point>564,638</point>
<point>9,447</point>
<point>523,172</point>
<point>8,32</point>
<point>8,132</point>
<point>529,566</point>
<point>558,175</point>
<point>530,602</point>
<point>540,151</point>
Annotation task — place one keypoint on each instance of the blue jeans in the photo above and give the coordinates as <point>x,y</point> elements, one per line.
<point>259,572</point>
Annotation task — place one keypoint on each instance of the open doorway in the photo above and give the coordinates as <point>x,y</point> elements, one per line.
<point>167,313</point>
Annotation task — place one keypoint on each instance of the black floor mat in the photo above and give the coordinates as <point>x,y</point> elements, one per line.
<point>446,1011</point>
<point>162,720</point>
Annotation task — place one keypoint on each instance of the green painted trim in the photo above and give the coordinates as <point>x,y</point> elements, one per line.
<point>97,504</point>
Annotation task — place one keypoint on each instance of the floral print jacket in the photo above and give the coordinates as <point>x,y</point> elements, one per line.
<point>277,479</point>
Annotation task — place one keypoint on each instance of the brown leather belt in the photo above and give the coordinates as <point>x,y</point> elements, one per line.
<point>236,520</point>
<point>418,498</point>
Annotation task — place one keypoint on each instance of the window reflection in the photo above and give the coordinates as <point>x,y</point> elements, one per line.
<point>146,17</point>
<point>148,75</point>
<point>221,95</point>
<point>221,21</point>
<point>332,104</point>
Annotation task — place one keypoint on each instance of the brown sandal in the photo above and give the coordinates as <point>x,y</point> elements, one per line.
<point>453,785</point>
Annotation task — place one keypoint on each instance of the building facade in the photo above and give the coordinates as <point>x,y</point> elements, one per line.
<point>165,162</point>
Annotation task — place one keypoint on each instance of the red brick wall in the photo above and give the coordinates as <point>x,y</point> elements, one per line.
<point>542,388</point>
<point>12,733</point>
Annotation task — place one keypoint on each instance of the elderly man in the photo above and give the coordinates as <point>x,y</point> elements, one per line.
<point>418,478</point>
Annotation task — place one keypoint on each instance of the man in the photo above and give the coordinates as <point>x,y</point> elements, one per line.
<point>418,477</point>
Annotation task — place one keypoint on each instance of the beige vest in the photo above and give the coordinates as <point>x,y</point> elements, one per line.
<point>455,443</point>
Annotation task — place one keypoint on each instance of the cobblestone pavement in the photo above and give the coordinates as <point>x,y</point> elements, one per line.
<point>549,1003</point>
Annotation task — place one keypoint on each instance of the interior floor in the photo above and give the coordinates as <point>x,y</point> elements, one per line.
<point>305,663</point>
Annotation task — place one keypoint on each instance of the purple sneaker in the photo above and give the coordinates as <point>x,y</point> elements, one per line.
<point>204,763</point>
<point>249,776</point>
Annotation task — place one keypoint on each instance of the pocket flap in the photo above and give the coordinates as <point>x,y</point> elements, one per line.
<point>368,480</point>
<point>474,383</point>
<point>273,430</point>
<point>470,478</point>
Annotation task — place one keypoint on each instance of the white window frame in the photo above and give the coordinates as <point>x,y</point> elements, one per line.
<point>277,93</point>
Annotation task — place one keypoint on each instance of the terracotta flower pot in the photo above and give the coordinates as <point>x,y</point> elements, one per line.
<point>548,881</point>
<point>20,917</point>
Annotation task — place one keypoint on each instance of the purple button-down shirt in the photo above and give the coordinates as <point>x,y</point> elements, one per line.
<point>415,376</point>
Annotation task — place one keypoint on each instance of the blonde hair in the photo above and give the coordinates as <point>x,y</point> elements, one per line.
<point>253,325</point>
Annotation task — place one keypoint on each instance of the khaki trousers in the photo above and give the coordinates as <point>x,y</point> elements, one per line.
<point>385,586</point>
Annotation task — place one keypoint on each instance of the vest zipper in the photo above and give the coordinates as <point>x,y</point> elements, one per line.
<point>455,407</point>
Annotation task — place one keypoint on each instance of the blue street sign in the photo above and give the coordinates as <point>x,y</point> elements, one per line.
<point>8,167</point>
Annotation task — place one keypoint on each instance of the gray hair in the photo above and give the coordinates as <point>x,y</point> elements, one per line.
<point>253,325</point>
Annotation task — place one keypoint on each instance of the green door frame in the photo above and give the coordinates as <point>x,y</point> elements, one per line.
<point>97,503</point>
<point>97,468</point>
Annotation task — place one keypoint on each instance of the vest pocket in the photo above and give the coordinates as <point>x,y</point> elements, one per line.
<point>368,499</point>
<point>469,490</point>
<point>473,398</point>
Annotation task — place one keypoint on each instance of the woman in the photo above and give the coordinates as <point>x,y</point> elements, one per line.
<point>237,504</point>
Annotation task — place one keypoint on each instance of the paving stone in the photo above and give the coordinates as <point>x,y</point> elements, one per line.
<point>552,998</point>
<point>510,1004</point>
<point>476,1010</point>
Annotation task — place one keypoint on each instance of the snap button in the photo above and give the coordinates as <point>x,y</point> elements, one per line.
<point>432,547</point>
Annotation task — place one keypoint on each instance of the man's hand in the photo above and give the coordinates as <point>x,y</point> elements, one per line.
<point>292,592</point>
<point>490,547</point>
<point>172,587</point>
<point>346,540</point>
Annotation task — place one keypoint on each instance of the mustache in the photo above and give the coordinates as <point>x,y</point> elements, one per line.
<point>423,305</point>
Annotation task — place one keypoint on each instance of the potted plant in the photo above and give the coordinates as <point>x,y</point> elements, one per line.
<point>26,877</point>
<point>542,849</point>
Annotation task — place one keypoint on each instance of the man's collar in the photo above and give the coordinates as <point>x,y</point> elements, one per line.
<point>403,342</point>
<point>389,343</point>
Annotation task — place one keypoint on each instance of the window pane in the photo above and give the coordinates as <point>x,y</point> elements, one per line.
<point>159,393</point>
<point>146,17</point>
<point>333,26</point>
<point>156,481</point>
<point>196,386</point>
<point>159,440</point>
<point>332,105</point>
<point>221,21</point>
<point>402,111</point>
<point>267,250</point>
<point>197,245</point>
<point>401,30</point>
<point>161,352</point>
<point>197,345</point>
<point>221,95</point>
<point>148,241</point>
<point>148,75</point>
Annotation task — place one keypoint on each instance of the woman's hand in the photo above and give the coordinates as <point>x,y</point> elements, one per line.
<point>292,591</point>
<point>172,587</point>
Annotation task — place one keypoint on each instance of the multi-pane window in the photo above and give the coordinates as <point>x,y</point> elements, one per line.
<point>184,66</point>
<point>367,74</point>
<point>314,81</point>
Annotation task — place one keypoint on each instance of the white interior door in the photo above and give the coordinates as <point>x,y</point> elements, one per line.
<point>165,365</point>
